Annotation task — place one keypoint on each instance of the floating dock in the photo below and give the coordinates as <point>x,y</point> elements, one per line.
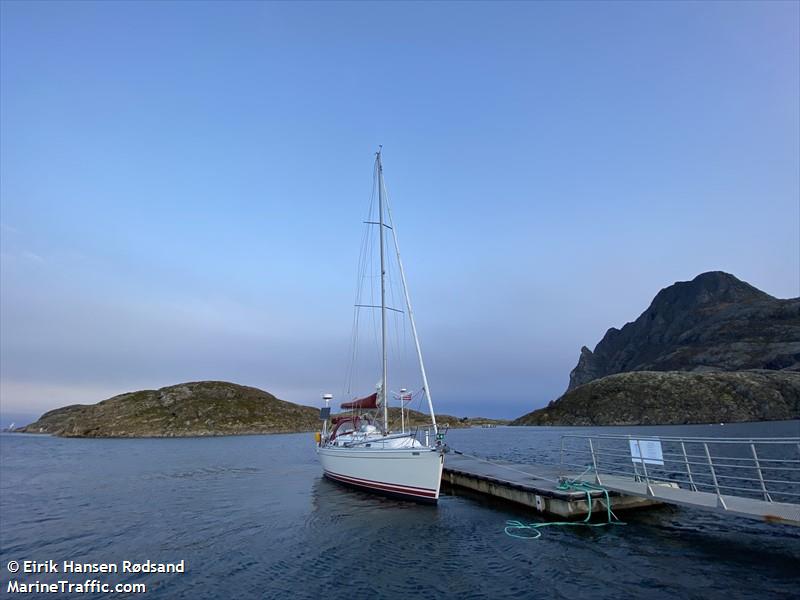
<point>756,478</point>
<point>534,486</point>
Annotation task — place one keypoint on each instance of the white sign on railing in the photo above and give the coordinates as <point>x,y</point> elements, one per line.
<point>648,451</point>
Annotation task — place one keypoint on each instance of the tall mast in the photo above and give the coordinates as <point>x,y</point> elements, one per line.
<point>411,319</point>
<point>385,361</point>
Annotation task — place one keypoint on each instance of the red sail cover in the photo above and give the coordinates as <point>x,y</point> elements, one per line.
<point>368,402</point>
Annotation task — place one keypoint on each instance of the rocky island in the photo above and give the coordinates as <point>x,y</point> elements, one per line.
<point>714,349</point>
<point>202,408</point>
<point>188,409</point>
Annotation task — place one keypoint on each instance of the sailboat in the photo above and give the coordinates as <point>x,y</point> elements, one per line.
<point>359,448</point>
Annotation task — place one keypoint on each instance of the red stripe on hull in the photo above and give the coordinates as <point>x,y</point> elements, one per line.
<point>394,485</point>
<point>413,492</point>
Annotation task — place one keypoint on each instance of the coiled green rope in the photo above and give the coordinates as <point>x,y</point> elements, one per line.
<point>530,531</point>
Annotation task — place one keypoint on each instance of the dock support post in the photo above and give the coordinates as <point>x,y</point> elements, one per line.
<point>720,501</point>
<point>688,468</point>
<point>767,497</point>
<point>650,491</point>
<point>594,463</point>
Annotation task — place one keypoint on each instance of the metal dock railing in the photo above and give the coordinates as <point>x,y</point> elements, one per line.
<point>750,477</point>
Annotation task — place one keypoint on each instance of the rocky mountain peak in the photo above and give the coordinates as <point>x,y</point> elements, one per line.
<point>713,322</point>
<point>711,288</point>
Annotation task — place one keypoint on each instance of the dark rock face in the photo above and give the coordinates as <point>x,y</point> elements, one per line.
<point>586,370</point>
<point>675,398</point>
<point>714,349</point>
<point>713,323</point>
<point>188,409</point>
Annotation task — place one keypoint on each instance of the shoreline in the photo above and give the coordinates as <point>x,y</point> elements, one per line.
<point>548,427</point>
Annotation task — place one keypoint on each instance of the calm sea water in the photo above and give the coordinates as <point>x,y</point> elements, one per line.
<point>253,518</point>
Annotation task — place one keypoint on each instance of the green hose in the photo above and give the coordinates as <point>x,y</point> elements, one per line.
<point>530,531</point>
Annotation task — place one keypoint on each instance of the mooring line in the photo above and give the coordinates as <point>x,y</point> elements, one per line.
<point>496,464</point>
<point>515,528</point>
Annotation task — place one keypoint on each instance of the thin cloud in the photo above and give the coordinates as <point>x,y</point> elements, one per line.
<point>32,256</point>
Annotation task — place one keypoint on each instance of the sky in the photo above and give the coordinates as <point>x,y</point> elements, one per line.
<point>182,184</point>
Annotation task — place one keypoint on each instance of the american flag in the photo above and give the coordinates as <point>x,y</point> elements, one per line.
<point>405,397</point>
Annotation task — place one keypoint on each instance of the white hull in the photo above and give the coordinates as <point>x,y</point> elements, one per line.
<point>413,473</point>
